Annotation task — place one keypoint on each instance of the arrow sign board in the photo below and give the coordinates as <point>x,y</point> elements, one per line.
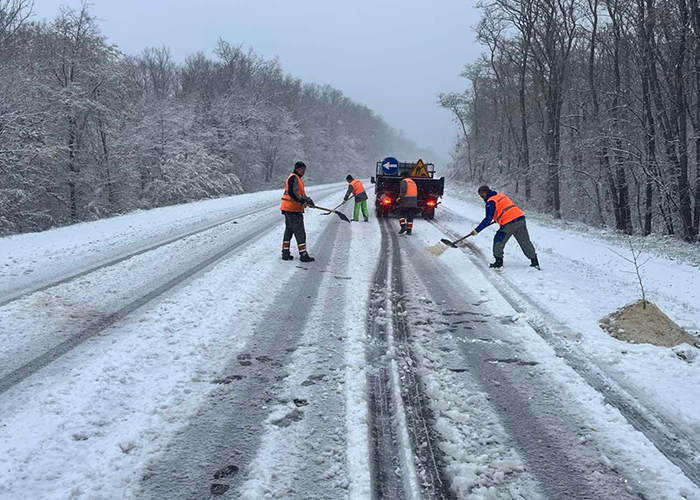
<point>419,170</point>
<point>390,165</point>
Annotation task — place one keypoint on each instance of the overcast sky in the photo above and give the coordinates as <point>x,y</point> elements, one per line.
<point>393,56</point>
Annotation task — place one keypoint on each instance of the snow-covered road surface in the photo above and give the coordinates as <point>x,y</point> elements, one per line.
<point>251,377</point>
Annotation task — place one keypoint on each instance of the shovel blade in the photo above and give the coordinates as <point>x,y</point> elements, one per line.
<point>448,243</point>
<point>331,211</point>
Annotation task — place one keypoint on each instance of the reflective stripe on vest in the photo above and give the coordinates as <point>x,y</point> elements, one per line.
<point>288,204</point>
<point>506,211</point>
<point>357,187</point>
<point>411,188</point>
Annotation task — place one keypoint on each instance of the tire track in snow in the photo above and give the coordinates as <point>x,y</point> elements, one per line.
<point>118,260</point>
<point>533,414</point>
<point>212,455</point>
<point>28,369</point>
<point>155,284</point>
<point>384,457</point>
<point>406,461</point>
<point>308,457</point>
<point>679,446</point>
<point>419,415</point>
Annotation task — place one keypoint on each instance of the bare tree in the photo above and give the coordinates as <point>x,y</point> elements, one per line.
<point>13,14</point>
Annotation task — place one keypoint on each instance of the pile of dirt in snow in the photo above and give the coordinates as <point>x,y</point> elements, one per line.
<point>638,324</point>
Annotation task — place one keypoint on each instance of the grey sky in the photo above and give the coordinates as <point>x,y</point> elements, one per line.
<point>393,56</point>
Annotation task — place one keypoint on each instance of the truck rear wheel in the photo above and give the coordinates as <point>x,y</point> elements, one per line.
<point>429,214</point>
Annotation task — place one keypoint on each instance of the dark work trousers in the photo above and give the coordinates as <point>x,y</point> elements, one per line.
<point>294,226</point>
<point>407,213</point>
<point>518,229</point>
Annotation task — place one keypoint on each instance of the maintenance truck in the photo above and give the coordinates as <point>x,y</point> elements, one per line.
<point>388,175</point>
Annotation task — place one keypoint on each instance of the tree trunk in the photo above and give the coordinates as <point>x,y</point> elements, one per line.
<point>602,150</point>
<point>649,124</point>
<point>72,171</point>
<point>695,12</point>
<point>525,145</point>
<point>680,110</point>
<point>624,212</point>
<point>111,190</point>
<point>553,107</point>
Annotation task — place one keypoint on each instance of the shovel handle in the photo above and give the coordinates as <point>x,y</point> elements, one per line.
<point>343,203</point>
<point>462,238</point>
<point>453,244</point>
<point>329,210</point>
<point>339,214</point>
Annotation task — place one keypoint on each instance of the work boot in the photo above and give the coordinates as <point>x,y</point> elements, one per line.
<point>305,257</point>
<point>286,255</point>
<point>403,229</point>
<point>355,220</point>
<point>535,263</point>
<point>497,264</point>
<point>409,231</point>
<point>366,219</point>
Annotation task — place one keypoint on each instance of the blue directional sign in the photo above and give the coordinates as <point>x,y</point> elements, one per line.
<point>390,165</point>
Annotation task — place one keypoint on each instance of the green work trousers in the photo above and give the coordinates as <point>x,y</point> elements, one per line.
<point>359,204</point>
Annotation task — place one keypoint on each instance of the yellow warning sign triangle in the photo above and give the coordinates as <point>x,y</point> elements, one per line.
<point>419,170</point>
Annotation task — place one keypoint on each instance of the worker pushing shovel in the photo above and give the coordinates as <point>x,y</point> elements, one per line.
<point>511,220</point>
<point>294,201</point>
<point>357,190</point>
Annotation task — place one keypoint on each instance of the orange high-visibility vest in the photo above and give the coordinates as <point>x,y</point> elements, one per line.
<point>506,210</point>
<point>411,188</point>
<point>357,187</point>
<point>288,204</point>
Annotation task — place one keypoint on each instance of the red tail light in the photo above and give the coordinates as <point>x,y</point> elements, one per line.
<point>431,203</point>
<point>386,201</point>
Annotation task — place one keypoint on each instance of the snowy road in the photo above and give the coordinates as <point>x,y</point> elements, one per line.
<point>673,438</point>
<point>172,354</point>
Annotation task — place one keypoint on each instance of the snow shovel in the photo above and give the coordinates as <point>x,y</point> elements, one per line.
<point>438,250</point>
<point>453,244</point>
<point>339,214</point>
<point>336,208</point>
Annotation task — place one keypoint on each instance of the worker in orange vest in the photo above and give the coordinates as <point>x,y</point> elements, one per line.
<point>293,202</point>
<point>357,190</point>
<point>500,209</point>
<point>407,202</point>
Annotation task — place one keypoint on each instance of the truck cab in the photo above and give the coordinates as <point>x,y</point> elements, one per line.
<point>387,178</point>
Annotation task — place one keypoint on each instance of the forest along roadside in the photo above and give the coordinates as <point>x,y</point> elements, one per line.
<point>227,444</point>
<point>598,447</point>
